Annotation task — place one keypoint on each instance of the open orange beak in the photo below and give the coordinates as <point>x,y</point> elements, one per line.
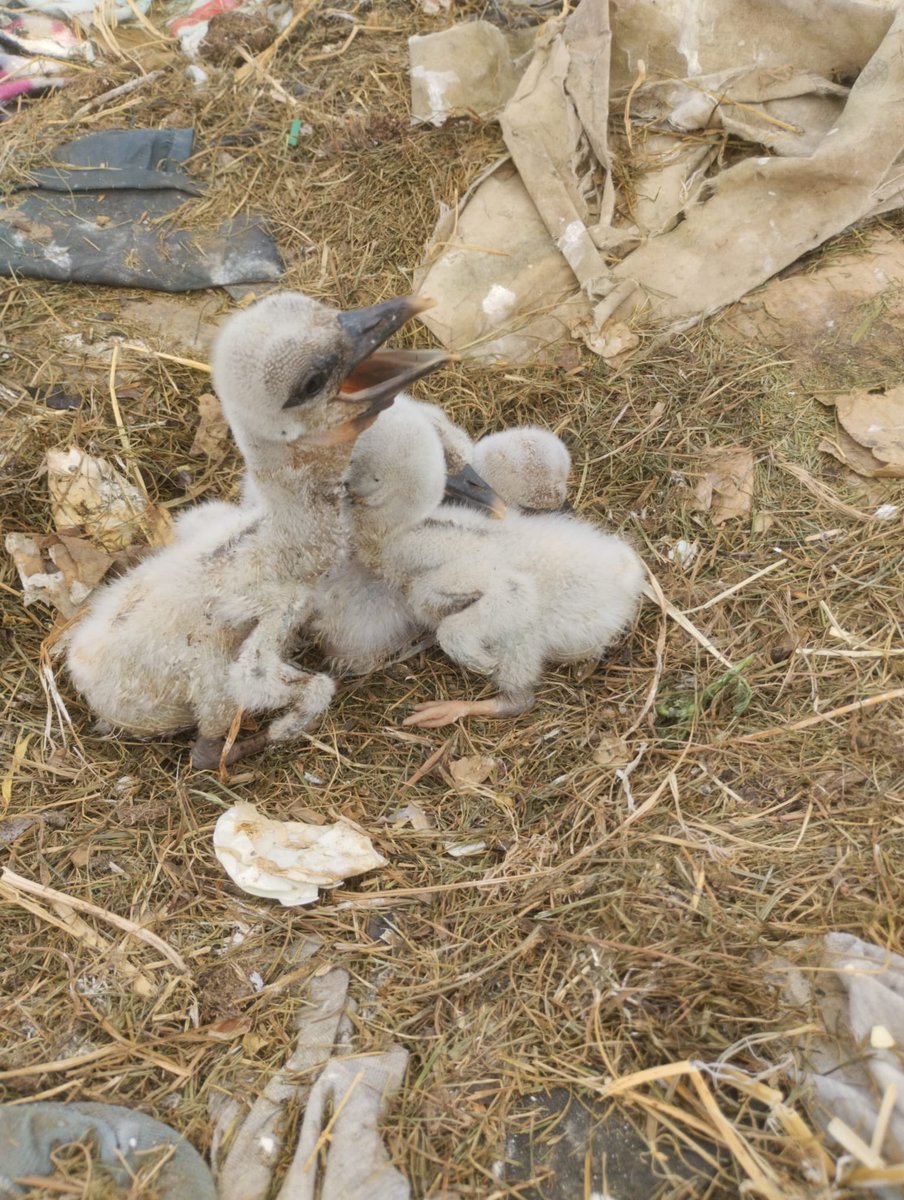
<point>377,376</point>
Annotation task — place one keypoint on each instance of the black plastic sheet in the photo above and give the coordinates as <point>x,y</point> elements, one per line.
<point>101,217</point>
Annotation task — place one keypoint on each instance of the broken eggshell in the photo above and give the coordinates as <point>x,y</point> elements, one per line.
<point>289,861</point>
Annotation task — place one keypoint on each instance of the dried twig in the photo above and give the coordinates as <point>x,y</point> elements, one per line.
<point>807,722</point>
<point>655,593</point>
<point>33,888</point>
<point>123,90</point>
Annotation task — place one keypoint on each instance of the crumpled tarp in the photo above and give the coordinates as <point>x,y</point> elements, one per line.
<point>856,991</point>
<point>472,68</point>
<point>96,218</point>
<point>30,1133</point>
<point>815,90</point>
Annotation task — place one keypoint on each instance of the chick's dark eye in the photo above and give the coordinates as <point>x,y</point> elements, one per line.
<point>314,383</point>
<point>307,388</point>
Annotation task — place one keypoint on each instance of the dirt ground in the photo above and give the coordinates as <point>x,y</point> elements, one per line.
<point>613,920</point>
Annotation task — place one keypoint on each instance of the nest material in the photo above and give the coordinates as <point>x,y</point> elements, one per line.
<point>615,919</point>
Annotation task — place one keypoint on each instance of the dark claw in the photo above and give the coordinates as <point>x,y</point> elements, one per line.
<point>207,752</point>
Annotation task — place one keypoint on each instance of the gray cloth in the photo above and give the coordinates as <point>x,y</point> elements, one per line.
<point>30,1133</point>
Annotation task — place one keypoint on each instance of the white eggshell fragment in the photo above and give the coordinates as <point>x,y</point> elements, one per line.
<point>289,860</point>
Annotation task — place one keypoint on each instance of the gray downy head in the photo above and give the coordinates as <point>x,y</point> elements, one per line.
<point>289,369</point>
<point>397,475</point>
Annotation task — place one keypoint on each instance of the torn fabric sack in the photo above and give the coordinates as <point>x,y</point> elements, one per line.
<point>339,1154</point>
<point>627,182</point>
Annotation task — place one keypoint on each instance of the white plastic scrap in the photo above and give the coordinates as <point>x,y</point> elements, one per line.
<point>683,552</point>
<point>886,511</point>
<point>289,861</point>
<point>84,10</point>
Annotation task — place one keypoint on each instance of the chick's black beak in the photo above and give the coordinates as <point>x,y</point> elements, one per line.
<point>369,328</point>
<point>376,376</point>
<point>467,487</point>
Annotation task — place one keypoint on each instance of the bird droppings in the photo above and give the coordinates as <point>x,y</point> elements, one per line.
<point>497,303</point>
<point>880,1038</point>
<point>885,512</point>
<point>436,83</point>
<point>569,240</point>
<point>683,552</point>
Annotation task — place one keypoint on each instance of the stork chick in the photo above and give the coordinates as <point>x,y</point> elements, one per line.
<point>526,466</point>
<point>505,598</point>
<point>362,620</point>
<point>203,627</point>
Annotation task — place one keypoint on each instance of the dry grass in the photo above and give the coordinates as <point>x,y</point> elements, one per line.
<point>587,941</point>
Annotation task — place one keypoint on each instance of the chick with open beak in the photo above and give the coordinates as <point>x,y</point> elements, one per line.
<point>203,628</point>
<point>290,370</point>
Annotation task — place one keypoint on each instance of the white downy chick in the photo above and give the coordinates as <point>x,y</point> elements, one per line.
<point>504,597</point>
<point>361,618</point>
<point>203,627</point>
<point>526,466</point>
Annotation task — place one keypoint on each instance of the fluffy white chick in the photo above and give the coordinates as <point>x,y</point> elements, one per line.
<point>362,618</point>
<point>526,466</point>
<point>505,598</point>
<point>203,627</point>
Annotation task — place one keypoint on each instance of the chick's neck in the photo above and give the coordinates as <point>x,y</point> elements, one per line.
<point>302,491</point>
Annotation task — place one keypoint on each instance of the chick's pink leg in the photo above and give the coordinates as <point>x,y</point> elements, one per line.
<point>433,714</point>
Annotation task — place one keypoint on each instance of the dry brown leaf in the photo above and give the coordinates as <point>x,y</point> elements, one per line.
<point>861,461</point>
<point>762,522</point>
<point>851,454</point>
<point>252,1043</point>
<point>212,434</point>
<point>475,769</point>
<point>875,421</point>
<point>157,525</point>
<point>89,493</point>
<point>614,339</point>
<point>81,855</point>
<point>611,751</point>
<point>725,489</point>
<point>56,569</point>
<point>229,1029</point>
<point>77,558</point>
